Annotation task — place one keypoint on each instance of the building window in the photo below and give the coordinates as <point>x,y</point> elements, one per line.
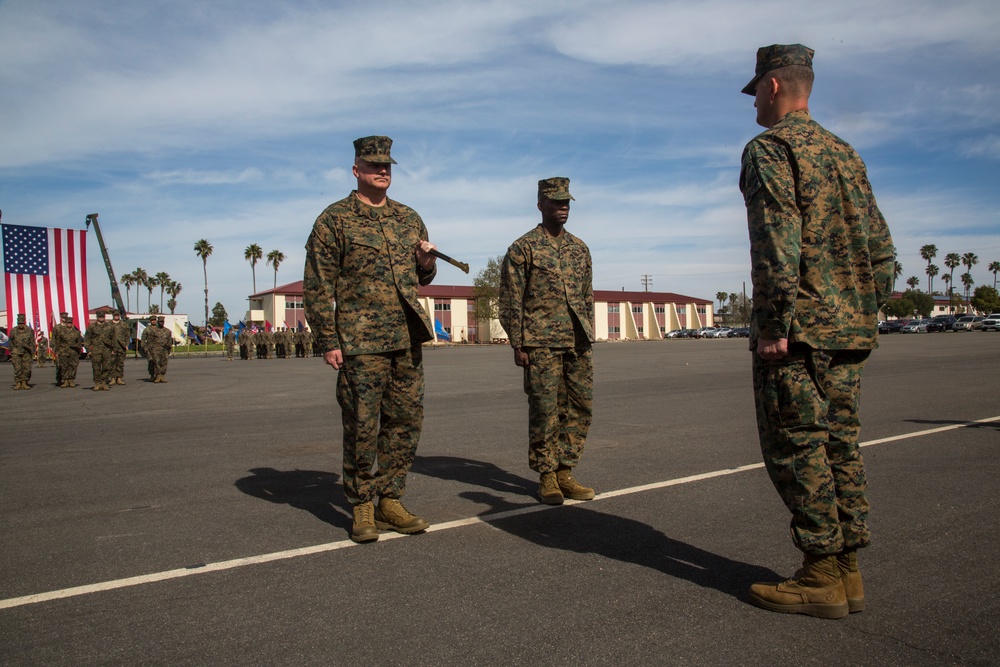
<point>660,310</point>
<point>613,308</point>
<point>637,309</point>
<point>663,330</point>
<point>442,306</point>
<point>638,329</point>
<point>701,310</point>
<point>294,305</point>
<point>614,330</point>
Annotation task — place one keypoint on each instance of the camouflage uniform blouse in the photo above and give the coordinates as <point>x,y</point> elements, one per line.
<point>362,259</point>
<point>546,285</point>
<point>821,253</point>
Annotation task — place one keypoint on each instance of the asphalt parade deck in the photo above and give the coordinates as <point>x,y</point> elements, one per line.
<point>202,521</point>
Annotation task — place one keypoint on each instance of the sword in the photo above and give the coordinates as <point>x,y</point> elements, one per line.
<point>450,260</point>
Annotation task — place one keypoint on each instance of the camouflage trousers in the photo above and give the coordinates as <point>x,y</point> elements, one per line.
<point>808,424</point>
<point>156,363</point>
<point>229,351</point>
<point>22,365</point>
<point>100,362</point>
<point>67,362</point>
<point>381,398</point>
<point>559,383</point>
<point>118,363</point>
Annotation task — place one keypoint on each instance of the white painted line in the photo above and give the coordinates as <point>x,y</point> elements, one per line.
<point>459,523</point>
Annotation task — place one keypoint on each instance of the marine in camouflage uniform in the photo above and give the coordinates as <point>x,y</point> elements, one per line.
<point>123,336</point>
<point>144,339</point>
<point>546,305</point>
<point>230,340</point>
<point>822,261</point>
<point>22,351</point>
<point>307,343</point>
<point>42,351</point>
<point>367,254</point>
<point>100,342</point>
<point>159,342</point>
<point>66,343</point>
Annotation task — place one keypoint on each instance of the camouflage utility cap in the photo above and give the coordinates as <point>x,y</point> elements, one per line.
<point>100,314</point>
<point>63,315</point>
<point>374,149</point>
<point>776,56</point>
<point>20,318</point>
<point>556,188</point>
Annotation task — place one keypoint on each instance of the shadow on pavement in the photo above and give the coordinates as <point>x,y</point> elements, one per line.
<point>315,491</point>
<point>475,473</point>
<point>583,530</point>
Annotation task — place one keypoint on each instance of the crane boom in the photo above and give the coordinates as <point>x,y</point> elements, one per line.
<point>116,293</point>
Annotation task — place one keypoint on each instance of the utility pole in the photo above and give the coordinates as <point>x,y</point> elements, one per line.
<point>647,280</point>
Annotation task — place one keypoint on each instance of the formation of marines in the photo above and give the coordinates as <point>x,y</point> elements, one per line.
<point>282,343</point>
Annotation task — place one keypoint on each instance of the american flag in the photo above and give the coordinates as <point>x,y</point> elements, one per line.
<point>45,273</point>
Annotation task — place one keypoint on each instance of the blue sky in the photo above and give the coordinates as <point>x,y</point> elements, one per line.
<point>233,122</point>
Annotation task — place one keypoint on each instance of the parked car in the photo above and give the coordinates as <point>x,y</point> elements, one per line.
<point>722,332</point>
<point>679,333</point>
<point>969,323</point>
<point>892,326</point>
<point>992,322</point>
<point>916,326</point>
<point>942,323</point>
<point>703,332</point>
<point>740,332</point>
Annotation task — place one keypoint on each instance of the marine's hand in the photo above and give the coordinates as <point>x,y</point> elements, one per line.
<point>520,357</point>
<point>424,257</point>
<point>334,358</point>
<point>772,350</point>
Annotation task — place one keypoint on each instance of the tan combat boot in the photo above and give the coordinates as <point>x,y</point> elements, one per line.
<point>363,529</point>
<point>851,576</point>
<point>391,515</point>
<point>815,590</point>
<point>64,385</point>
<point>548,489</point>
<point>72,384</point>
<point>96,387</point>
<point>571,488</point>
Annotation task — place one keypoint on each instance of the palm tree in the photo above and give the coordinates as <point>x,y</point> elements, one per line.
<point>947,283</point>
<point>721,296</point>
<point>968,282</point>
<point>252,254</point>
<point>932,270</point>
<point>913,281</point>
<point>969,259</point>
<point>163,280</point>
<point>204,249</point>
<point>274,258</point>
<point>151,282</point>
<point>952,260</point>
<point>994,268</point>
<point>928,252</point>
<point>128,280</point>
<point>141,280</point>
<point>897,271</point>
<point>173,290</point>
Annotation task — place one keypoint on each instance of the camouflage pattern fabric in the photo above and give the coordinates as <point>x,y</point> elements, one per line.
<point>546,291</point>
<point>158,343</point>
<point>230,340</point>
<point>546,305</point>
<point>807,420</point>
<point>66,342</point>
<point>559,383</point>
<point>381,398</point>
<point>42,351</point>
<point>822,257</point>
<point>22,351</point>
<point>362,258</point>
<point>123,336</point>
<point>822,260</point>
<point>100,342</point>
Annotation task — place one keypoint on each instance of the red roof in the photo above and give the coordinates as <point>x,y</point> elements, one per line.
<point>468,292</point>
